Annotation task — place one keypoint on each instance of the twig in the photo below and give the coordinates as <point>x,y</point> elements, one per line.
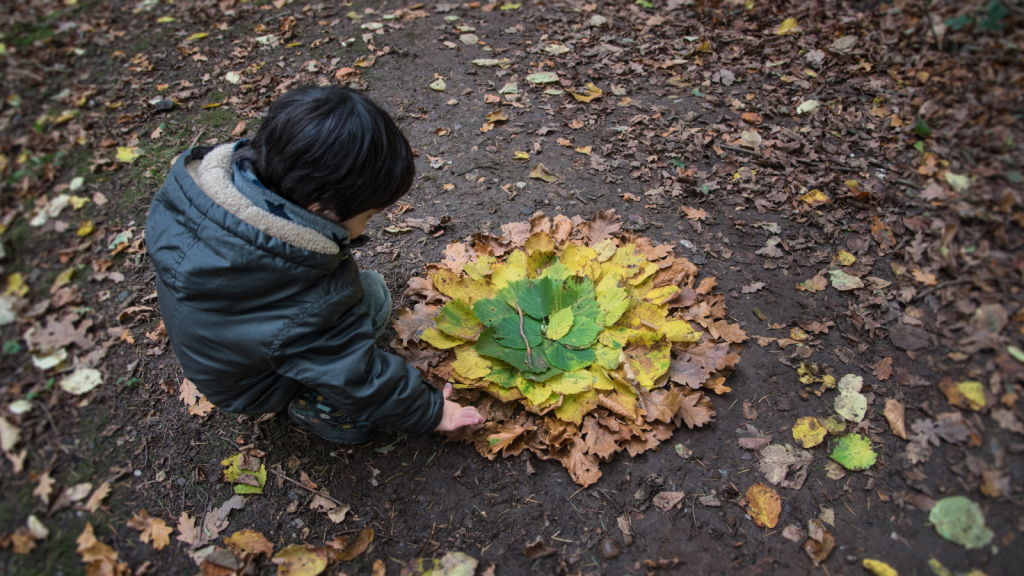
<point>196,139</point>
<point>52,425</point>
<point>427,543</point>
<point>928,15</point>
<point>529,354</point>
<point>304,487</point>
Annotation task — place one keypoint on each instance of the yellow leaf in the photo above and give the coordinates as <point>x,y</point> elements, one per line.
<point>588,93</point>
<point>575,406</point>
<point>646,271</point>
<point>787,27</point>
<point>605,249</point>
<point>520,155</point>
<point>514,268</point>
<point>128,154</point>
<point>808,432</point>
<point>815,198</point>
<point>301,560</point>
<point>615,336</point>
<point>470,364</point>
<point>879,568</point>
<point>765,505</point>
<point>559,325</point>
<point>585,150</point>
<point>649,364</point>
<point>680,331</point>
<point>969,394</point>
<point>16,286</point>
<point>845,258</point>
<point>643,314</point>
<point>63,279</point>
<point>77,202</point>
<point>539,242</point>
<point>661,295</point>
<point>575,258</point>
<point>165,19</point>
<point>439,339</point>
<point>198,36</point>
<point>601,379</point>
<point>571,382</point>
<point>535,392</point>
<point>85,229</point>
<point>629,256</point>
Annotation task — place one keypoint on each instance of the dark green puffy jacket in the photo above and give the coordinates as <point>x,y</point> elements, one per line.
<point>258,305</point>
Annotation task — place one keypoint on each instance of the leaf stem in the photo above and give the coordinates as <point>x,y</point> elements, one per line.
<point>529,353</point>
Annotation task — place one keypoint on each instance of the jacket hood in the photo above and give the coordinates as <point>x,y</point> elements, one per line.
<point>240,255</point>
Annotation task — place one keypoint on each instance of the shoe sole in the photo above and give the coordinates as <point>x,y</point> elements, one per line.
<point>351,436</point>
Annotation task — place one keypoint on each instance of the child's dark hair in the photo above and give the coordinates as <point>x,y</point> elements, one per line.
<point>331,146</point>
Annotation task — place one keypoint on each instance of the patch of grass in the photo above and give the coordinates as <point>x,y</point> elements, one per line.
<point>216,118</point>
<point>148,172</point>
<point>26,34</point>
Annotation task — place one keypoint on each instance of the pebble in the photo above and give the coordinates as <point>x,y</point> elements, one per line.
<point>609,548</point>
<point>164,106</point>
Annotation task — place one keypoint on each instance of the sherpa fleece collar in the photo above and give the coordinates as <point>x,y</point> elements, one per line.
<point>214,173</point>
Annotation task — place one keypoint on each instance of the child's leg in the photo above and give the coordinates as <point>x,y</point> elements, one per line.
<point>378,300</point>
<point>312,410</point>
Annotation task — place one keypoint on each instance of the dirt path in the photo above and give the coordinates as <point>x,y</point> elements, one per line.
<point>769,160</point>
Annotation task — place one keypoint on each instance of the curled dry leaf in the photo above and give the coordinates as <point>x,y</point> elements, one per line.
<point>151,529</point>
<point>894,413</point>
<point>819,542</point>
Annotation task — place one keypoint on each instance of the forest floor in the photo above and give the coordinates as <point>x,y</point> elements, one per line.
<point>849,173</point>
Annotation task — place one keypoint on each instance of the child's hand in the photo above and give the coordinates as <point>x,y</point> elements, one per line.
<point>456,416</point>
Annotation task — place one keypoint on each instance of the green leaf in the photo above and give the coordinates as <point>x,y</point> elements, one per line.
<point>536,300</point>
<point>583,333</point>
<point>559,324</point>
<point>921,128</point>
<point>573,289</point>
<point>556,272</point>
<point>456,318</point>
<point>854,452</point>
<point>613,303</point>
<point>566,359</point>
<point>959,519</point>
<point>507,332</point>
<point>487,345</point>
<point>491,310</point>
<point>502,373</point>
<point>542,375</point>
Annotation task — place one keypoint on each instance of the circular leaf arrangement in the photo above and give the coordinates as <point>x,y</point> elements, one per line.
<point>575,339</point>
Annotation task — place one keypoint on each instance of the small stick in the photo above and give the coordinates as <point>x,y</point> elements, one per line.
<point>304,487</point>
<point>529,353</point>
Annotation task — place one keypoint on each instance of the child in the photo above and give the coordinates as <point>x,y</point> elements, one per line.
<point>261,297</point>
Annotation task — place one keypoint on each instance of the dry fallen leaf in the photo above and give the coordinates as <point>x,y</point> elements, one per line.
<point>151,529</point>
<point>894,414</point>
<point>764,505</point>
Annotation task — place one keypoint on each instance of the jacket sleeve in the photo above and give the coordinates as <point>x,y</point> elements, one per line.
<point>335,355</point>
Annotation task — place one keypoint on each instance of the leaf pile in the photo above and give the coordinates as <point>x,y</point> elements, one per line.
<point>575,340</point>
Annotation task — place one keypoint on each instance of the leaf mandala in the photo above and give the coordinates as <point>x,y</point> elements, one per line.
<point>574,346</point>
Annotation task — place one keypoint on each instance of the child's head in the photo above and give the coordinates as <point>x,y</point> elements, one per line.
<point>332,150</point>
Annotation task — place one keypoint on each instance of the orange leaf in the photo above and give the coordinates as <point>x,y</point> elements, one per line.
<point>764,505</point>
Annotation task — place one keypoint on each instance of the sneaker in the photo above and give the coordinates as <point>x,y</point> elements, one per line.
<point>312,412</point>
